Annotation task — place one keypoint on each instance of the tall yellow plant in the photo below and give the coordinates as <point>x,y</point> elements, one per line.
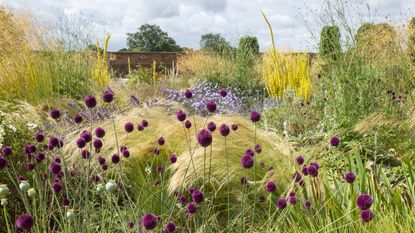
<point>101,73</point>
<point>284,71</point>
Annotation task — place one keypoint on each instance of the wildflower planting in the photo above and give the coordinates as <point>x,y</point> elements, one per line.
<point>308,144</point>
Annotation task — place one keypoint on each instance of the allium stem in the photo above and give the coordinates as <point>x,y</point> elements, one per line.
<point>227,185</point>
<point>6,218</point>
<point>254,200</point>
<point>243,202</point>
<point>204,166</point>
<point>210,161</point>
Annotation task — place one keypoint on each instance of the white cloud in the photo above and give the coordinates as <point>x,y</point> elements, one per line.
<point>187,20</point>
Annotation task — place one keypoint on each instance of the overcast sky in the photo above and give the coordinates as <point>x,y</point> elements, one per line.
<point>187,20</point>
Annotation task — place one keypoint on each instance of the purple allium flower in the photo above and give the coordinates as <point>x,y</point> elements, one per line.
<point>57,159</point>
<point>99,132</point>
<point>90,101</point>
<point>366,215</point>
<point>247,161</point>
<point>191,208</point>
<point>101,160</point>
<point>3,162</point>
<point>261,164</point>
<point>243,180</point>
<point>156,151</point>
<point>315,164</point>
<point>312,170</point>
<point>40,157</point>
<point>66,202</point>
<point>86,135</point>
<point>299,159</point>
<point>129,127</point>
<point>77,118</point>
<point>32,148</point>
<point>182,199</point>
<point>55,113</point>
<point>223,92</point>
<point>126,153</point>
<point>187,124</point>
<point>180,115</point>
<point>224,130</point>
<point>80,143</point>
<point>234,127</point>
<point>30,166</point>
<point>364,201</point>
<point>95,178</point>
<point>39,137</point>
<point>191,190</point>
<point>211,106</point>
<point>258,148</point>
<point>21,178</point>
<point>334,141</point>
<point>270,187</point>
<point>307,203</point>
<point>204,138</point>
<point>173,158</point>
<point>131,224</point>
<point>160,169</point>
<point>53,141</point>
<point>292,200</point>
<point>170,226</point>
<point>104,167</point>
<point>292,193</point>
<point>249,152</point>
<point>140,128</point>
<point>304,170</point>
<point>161,141</point>
<point>255,116</point>
<point>282,203</point>
<point>115,158</point>
<point>197,196</point>
<point>6,151</point>
<point>108,96</point>
<point>57,186</point>
<point>24,222</point>
<point>85,154</point>
<point>122,148</point>
<point>211,126</point>
<point>149,221</point>
<point>144,123</point>
<point>350,177</point>
<point>296,176</point>
<point>97,144</point>
<point>188,93</point>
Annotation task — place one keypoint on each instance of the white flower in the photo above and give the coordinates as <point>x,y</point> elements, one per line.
<point>110,186</point>
<point>70,213</point>
<point>12,128</point>
<point>31,192</point>
<point>100,188</point>
<point>148,170</point>
<point>31,126</point>
<point>24,186</point>
<point>4,190</point>
<point>4,202</point>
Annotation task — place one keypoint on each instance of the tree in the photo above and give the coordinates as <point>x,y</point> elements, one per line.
<point>330,47</point>
<point>249,44</point>
<point>212,42</point>
<point>150,38</point>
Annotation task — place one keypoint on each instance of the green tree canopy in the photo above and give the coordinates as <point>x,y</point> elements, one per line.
<point>249,44</point>
<point>212,42</point>
<point>150,38</point>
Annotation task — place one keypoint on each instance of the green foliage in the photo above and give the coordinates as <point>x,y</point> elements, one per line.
<point>140,75</point>
<point>411,40</point>
<point>249,44</point>
<point>150,38</point>
<point>330,48</point>
<point>212,42</point>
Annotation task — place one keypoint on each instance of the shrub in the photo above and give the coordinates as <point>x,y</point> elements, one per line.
<point>330,48</point>
<point>249,44</point>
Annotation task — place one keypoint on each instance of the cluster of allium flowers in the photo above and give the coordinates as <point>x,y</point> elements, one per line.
<point>149,221</point>
<point>364,202</point>
<point>204,138</point>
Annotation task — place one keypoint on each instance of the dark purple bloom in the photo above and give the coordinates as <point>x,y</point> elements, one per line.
<point>366,215</point>
<point>53,141</point>
<point>312,170</point>
<point>249,152</point>
<point>307,203</point>
<point>334,141</point>
<point>197,196</point>
<point>101,160</point>
<point>40,157</point>
<point>247,161</point>
<point>270,187</point>
<point>258,148</point>
<point>173,158</point>
<point>364,201</point>
<point>30,166</point>
<point>77,118</point>
<point>55,113</point>
<point>243,180</point>
<point>57,159</point>
<point>24,222</point>
<point>156,151</point>
<point>234,127</point>
<point>129,127</point>
<point>292,200</point>
<point>99,132</point>
<point>95,178</point>
<point>57,186</point>
<point>282,203</point>
<point>191,190</point>
<point>90,101</point>
<point>131,224</point>
<point>297,177</point>
<point>144,123</point>
<point>255,116</point>
<point>140,128</point>
<point>315,164</point>
<point>292,193</point>
<point>299,160</point>
<point>3,162</point>
<point>188,94</point>
<point>104,167</point>
<point>170,226</point>
<point>66,202</point>
<point>182,199</point>
<point>85,154</point>
<point>108,96</point>
<point>125,153</point>
<point>21,178</point>
<point>187,124</point>
<point>350,177</point>
<point>161,141</point>
<point>149,221</point>
<point>191,208</point>
<point>211,106</point>
<point>180,115</point>
<point>97,144</point>
<point>211,126</point>
<point>223,92</point>
<point>86,135</point>
<point>115,158</point>
<point>304,170</point>
<point>6,151</point>
<point>224,130</point>
<point>160,169</point>
<point>39,137</point>
<point>204,138</point>
<point>80,143</point>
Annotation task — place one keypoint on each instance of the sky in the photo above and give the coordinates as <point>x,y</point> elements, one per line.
<point>187,20</point>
